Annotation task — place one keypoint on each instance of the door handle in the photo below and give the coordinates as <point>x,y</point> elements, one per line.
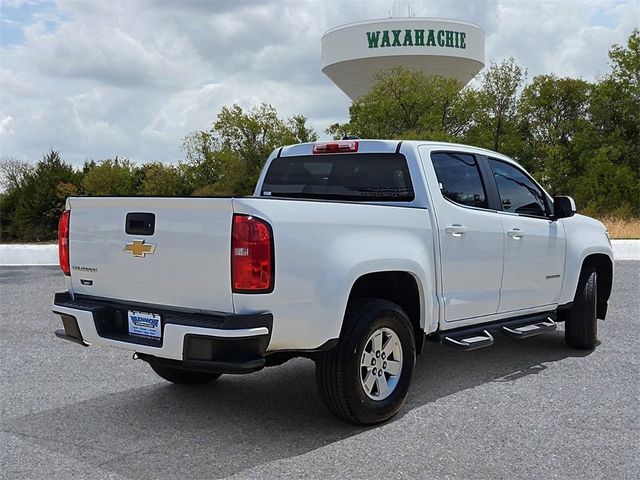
<point>456,229</point>
<point>515,233</point>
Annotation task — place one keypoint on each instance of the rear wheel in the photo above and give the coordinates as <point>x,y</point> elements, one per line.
<point>581,324</point>
<point>365,379</point>
<point>184,377</point>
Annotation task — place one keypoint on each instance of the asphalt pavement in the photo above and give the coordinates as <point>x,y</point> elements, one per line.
<point>520,409</point>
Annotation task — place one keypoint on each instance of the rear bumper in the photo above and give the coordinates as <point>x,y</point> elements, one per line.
<point>219,342</point>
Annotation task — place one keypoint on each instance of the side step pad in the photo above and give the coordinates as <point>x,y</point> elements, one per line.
<point>526,331</point>
<point>470,343</point>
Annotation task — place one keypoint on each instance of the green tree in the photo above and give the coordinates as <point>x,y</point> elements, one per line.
<point>463,114</point>
<point>407,104</point>
<point>13,173</point>
<point>300,131</point>
<point>109,177</point>
<point>496,115</point>
<point>625,63</point>
<point>162,180</point>
<point>606,187</point>
<point>610,144</point>
<point>41,198</point>
<point>227,159</point>
<point>553,113</point>
<point>200,168</point>
<point>8,203</point>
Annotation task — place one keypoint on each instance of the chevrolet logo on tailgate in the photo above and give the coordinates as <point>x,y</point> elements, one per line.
<point>139,248</point>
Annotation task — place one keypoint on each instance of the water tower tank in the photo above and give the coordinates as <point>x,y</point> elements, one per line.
<point>353,53</point>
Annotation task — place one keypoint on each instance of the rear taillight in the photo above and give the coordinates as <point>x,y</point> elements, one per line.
<point>63,242</point>
<point>345,146</point>
<point>251,255</point>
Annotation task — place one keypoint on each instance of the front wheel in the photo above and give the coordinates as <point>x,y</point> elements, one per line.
<point>365,379</point>
<point>581,324</point>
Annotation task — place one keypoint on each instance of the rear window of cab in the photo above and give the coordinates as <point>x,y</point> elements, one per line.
<point>365,177</point>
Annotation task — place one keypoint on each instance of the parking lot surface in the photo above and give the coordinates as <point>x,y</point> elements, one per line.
<point>520,409</point>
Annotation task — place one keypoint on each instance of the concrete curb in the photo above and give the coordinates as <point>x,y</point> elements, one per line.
<point>25,255</point>
<point>626,249</point>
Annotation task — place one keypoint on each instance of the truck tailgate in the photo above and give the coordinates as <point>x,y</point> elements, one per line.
<point>184,262</point>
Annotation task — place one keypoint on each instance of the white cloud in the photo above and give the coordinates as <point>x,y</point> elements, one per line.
<point>132,78</point>
<point>108,54</point>
<point>17,84</point>
<point>5,126</point>
<point>20,3</point>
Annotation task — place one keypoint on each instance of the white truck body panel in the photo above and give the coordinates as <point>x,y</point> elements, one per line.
<point>470,261</point>
<point>585,236</point>
<point>322,248</point>
<point>533,262</point>
<point>191,264</point>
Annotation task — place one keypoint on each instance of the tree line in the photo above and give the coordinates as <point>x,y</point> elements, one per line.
<point>577,138</point>
<point>225,160</point>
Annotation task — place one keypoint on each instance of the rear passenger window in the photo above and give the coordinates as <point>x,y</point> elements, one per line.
<point>518,193</point>
<point>459,178</point>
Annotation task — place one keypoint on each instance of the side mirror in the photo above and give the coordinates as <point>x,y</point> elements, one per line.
<point>563,207</point>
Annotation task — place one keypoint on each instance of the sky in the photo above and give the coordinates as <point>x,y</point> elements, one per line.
<point>94,79</point>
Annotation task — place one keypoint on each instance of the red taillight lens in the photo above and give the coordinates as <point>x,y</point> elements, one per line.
<point>349,146</point>
<point>251,255</point>
<point>63,242</point>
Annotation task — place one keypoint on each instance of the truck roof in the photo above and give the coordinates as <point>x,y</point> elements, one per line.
<point>387,146</point>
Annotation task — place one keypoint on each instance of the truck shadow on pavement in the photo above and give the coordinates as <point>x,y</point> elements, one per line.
<point>165,431</point>
<point>441,370</point>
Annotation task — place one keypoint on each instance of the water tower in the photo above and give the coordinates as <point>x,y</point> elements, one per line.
<point>353,53</point>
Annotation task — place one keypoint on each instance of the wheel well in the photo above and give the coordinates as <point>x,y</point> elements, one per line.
<point>400,288</point>
<point>604,269</point>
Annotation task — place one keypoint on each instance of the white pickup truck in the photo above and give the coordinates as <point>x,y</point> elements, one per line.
<point>352,253</point>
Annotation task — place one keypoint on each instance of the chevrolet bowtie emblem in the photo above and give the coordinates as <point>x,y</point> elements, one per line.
<point>139,248</point>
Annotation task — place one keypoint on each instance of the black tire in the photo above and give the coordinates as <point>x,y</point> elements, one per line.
<point>183,377</point>
<point>338,371</point>
<point>581,324</point>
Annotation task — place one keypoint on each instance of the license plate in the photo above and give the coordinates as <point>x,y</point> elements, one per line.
<point>144,324</point>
